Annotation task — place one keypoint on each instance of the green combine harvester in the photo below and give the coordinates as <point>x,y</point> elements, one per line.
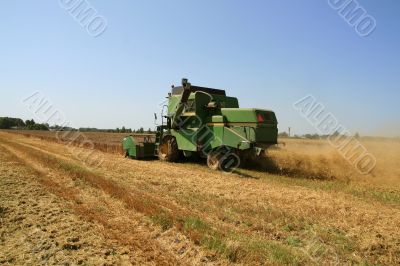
<point>205,123</point>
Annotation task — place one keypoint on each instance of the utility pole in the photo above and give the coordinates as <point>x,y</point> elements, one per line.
<point>289,131</point>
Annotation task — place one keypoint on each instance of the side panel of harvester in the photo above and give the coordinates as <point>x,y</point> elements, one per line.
<point>202,128</point>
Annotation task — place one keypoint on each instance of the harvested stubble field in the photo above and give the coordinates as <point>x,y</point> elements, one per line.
<point>106,142</point>
<point>308,207</point>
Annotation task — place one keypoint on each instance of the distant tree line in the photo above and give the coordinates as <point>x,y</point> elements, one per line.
<point>312,136</point>
<point>18,123</point>
<point>118,130</point>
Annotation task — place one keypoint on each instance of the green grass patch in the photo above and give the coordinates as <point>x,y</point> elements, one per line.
<point>216,243</point>
<point>244,249</point>
<point>195,223</point>
<point>2,211</point>
<point>271,252</point>
<point>338,239</point>
<point>293,241</point>
<point>360,191</point>
<point>381,195</point>
<point>164,220</point>
<point>203,234</point>
<point>288,227</point>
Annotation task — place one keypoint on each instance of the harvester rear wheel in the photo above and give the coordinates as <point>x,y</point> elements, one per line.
<point>229,162</point>
<point>168,150</point>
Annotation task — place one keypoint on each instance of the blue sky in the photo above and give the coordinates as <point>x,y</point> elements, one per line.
<point>267,53</point>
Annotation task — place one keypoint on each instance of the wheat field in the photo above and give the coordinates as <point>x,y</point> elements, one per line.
<point>306,206</point>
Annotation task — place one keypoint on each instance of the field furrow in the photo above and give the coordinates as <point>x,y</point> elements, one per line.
<point>186,213</point>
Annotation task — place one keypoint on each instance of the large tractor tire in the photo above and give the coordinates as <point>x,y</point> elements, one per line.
<point>168,150</point>
<point>229,162</point>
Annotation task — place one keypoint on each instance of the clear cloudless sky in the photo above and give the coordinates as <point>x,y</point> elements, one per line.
<point>268,53</point>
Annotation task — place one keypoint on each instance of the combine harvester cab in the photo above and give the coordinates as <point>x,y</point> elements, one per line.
<point>204,122</point>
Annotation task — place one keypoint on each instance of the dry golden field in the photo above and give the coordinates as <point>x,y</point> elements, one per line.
<point>305,206</point>
<point>319,159</point>
<point>107,142</point>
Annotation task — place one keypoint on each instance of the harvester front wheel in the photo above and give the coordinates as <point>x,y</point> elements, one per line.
<point>168,150</point>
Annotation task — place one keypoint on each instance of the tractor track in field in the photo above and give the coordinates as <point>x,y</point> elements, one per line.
<point>154,202</point>
<point>39,227</point>
<point>128,228</point>
<point>167,203</point>
<point>240,205</point>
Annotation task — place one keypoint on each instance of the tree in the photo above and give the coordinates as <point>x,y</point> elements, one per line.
<point>335,134</point>
<point>311,136</point>
<point>9,122</point>
<point>30,122</point>
<point>5,123</point>
<point>283,135</point>
<point>19,122</point>
<point>38,127</point>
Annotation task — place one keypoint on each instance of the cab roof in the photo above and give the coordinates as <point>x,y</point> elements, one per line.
<point>179,90</point>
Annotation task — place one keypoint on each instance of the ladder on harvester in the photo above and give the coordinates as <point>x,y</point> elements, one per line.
<point>158,139</point>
